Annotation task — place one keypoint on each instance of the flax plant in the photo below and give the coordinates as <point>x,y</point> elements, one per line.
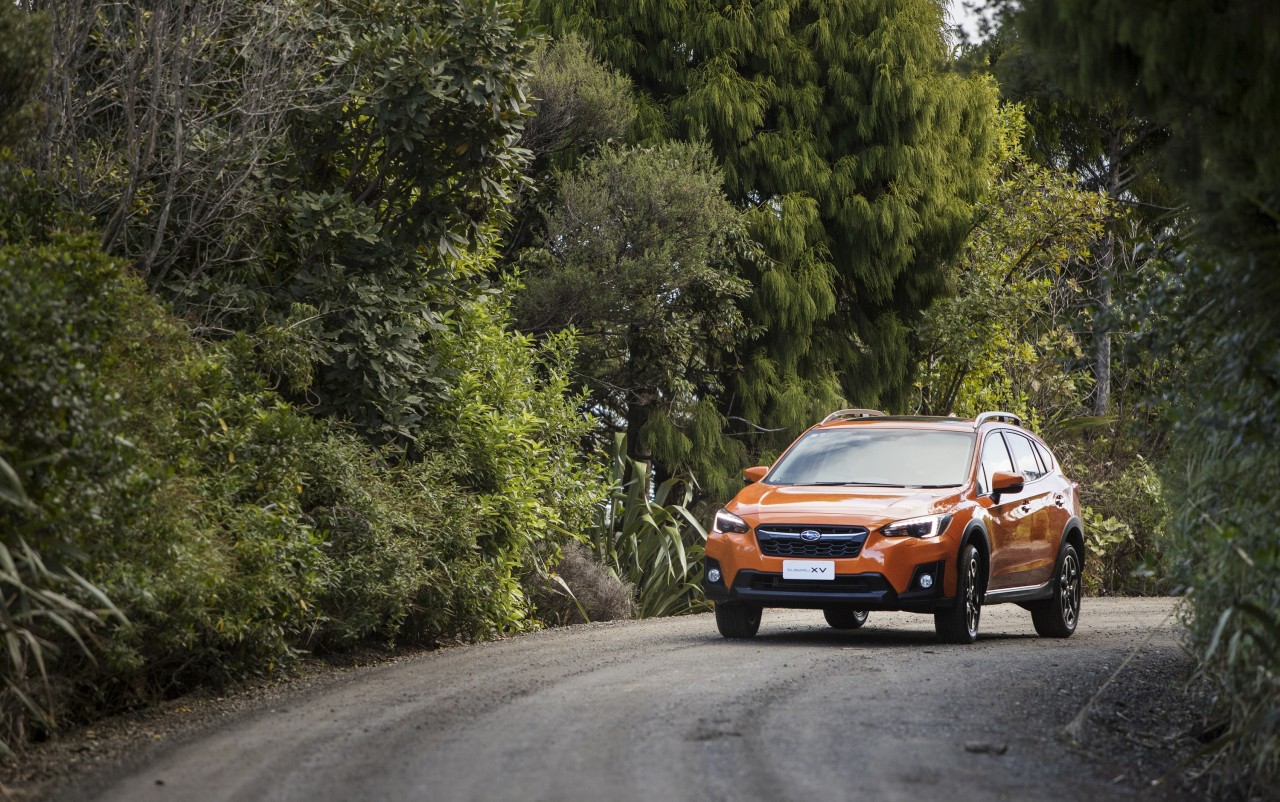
<point>39,606</point>
<point>646,536</point>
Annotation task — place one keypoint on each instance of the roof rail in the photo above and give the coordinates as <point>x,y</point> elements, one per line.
<point>1007,417</point>
<point>847,414</point>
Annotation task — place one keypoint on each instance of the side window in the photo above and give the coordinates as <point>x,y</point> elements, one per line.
<point>1045,456</point>
<point>995,457</point>
<point>1024,457</point>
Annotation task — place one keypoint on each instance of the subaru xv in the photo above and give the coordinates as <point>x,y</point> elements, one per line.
<point>869,512</point>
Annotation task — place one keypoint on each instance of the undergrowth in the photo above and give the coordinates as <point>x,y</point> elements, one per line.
<point>231,530</point>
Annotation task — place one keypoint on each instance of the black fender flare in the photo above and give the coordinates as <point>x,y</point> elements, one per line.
<point>978,532</point>
<point>1074,523</point>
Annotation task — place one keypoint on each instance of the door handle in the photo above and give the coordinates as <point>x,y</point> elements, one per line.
<point>1026,506</point>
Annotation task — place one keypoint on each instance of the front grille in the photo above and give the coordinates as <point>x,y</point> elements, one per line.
<point>798,548</point>
<point>855,583</point>
<point>836,542</point>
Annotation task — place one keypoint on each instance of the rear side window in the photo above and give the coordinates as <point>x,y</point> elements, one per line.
<point>1045,456</point>
<point>995,457</point>
<point>1024,457</point>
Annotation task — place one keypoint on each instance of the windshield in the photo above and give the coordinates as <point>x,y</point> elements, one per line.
<point>876,457</point>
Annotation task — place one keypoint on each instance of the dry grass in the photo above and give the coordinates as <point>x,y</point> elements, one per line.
<point>580,590</point>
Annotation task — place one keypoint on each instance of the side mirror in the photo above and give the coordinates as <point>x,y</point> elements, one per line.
<point>752,475</point>
<point>1005,482</point>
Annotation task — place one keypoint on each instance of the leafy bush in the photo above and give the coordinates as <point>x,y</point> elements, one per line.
<point>233,529</point>
<point>511,435</point>
<point>318,198</point>
<point>1223,549</point>
<point>1125,517</point>
<point>1223,478</point>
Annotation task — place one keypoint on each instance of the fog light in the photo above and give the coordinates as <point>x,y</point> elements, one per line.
<point>926,581</point>
<point>713,575</point>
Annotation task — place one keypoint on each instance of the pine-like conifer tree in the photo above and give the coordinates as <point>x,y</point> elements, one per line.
<point>858,152</point>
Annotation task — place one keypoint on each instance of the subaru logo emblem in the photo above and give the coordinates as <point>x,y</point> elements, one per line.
<point>810,535</point>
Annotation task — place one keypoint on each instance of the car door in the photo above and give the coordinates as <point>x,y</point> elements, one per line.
<point>1062,497</point>
<point>1008,535</point>
<point>1037,544</point>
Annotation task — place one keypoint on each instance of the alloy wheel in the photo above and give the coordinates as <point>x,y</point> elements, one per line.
<point>972,608</point>
<point>1070,590</point>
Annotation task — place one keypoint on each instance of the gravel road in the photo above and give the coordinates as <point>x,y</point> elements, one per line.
<point>667,710</point>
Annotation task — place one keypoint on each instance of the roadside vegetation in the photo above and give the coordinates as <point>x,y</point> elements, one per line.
<point>324,325</point>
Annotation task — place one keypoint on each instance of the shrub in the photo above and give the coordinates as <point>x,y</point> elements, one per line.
<point>1125,517</point>
<point>1224,549</point>
<point>511,436</point>
<point>233,529</point>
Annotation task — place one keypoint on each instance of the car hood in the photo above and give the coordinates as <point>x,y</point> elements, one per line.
<point>867,506</point>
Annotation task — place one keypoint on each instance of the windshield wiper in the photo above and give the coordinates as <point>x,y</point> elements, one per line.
<point>932,487</point>
<point>853,484</point>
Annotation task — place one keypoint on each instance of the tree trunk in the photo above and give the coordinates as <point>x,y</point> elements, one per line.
<point>1102,333</point>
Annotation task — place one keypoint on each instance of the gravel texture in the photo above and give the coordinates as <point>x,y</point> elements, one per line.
<point>666,709</point>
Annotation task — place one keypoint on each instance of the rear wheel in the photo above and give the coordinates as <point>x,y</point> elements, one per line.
<point>844,617</point>
<point>959,624</point>
<point>738,619</point>
<point>1058,615</point>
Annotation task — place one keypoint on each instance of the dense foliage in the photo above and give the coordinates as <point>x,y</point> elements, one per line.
<point>308,173</point>
<point>314,315</point>
<point>638,256</point>
<point>855,154</point>
<point>233,529</point>
<point>1205,72</point>
<point>1015,337</point>
<point>340,440</point>
<point>1004,340</point>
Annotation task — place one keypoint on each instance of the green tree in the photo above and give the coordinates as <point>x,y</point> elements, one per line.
<point>578,106</point>
<point>309,173</point>
<point>1204,70</point>
<point>398,173</point>
<point>857,154</point>
<point>1003,340</point>
<point>1109,147</point>
<point>577,103</point>
<point>639,257</point>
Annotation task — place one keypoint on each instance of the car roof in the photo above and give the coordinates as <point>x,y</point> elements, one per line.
<point>898,421</point>
<point>928,422</point>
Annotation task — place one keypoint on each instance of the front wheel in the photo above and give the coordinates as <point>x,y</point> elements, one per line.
<point>1058,615</point>
<point>845,618</point>
<point>738,619</point>
<point>959,624</point>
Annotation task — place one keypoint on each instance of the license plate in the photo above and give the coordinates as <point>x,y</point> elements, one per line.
<point>808,569</point>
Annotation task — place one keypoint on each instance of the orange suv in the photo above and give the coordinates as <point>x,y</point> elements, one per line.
<point>933,515</point>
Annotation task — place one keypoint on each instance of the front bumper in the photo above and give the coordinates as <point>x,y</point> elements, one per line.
<point>870,591</point>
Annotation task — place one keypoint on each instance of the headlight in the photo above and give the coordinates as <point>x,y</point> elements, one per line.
<point>924,526</point>
<point>728,522</point>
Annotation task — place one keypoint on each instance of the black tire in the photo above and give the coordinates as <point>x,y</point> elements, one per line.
<point>959,624</point>
<point>738,619</point>
<point>845,617</point>
<point>1059,615</point>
